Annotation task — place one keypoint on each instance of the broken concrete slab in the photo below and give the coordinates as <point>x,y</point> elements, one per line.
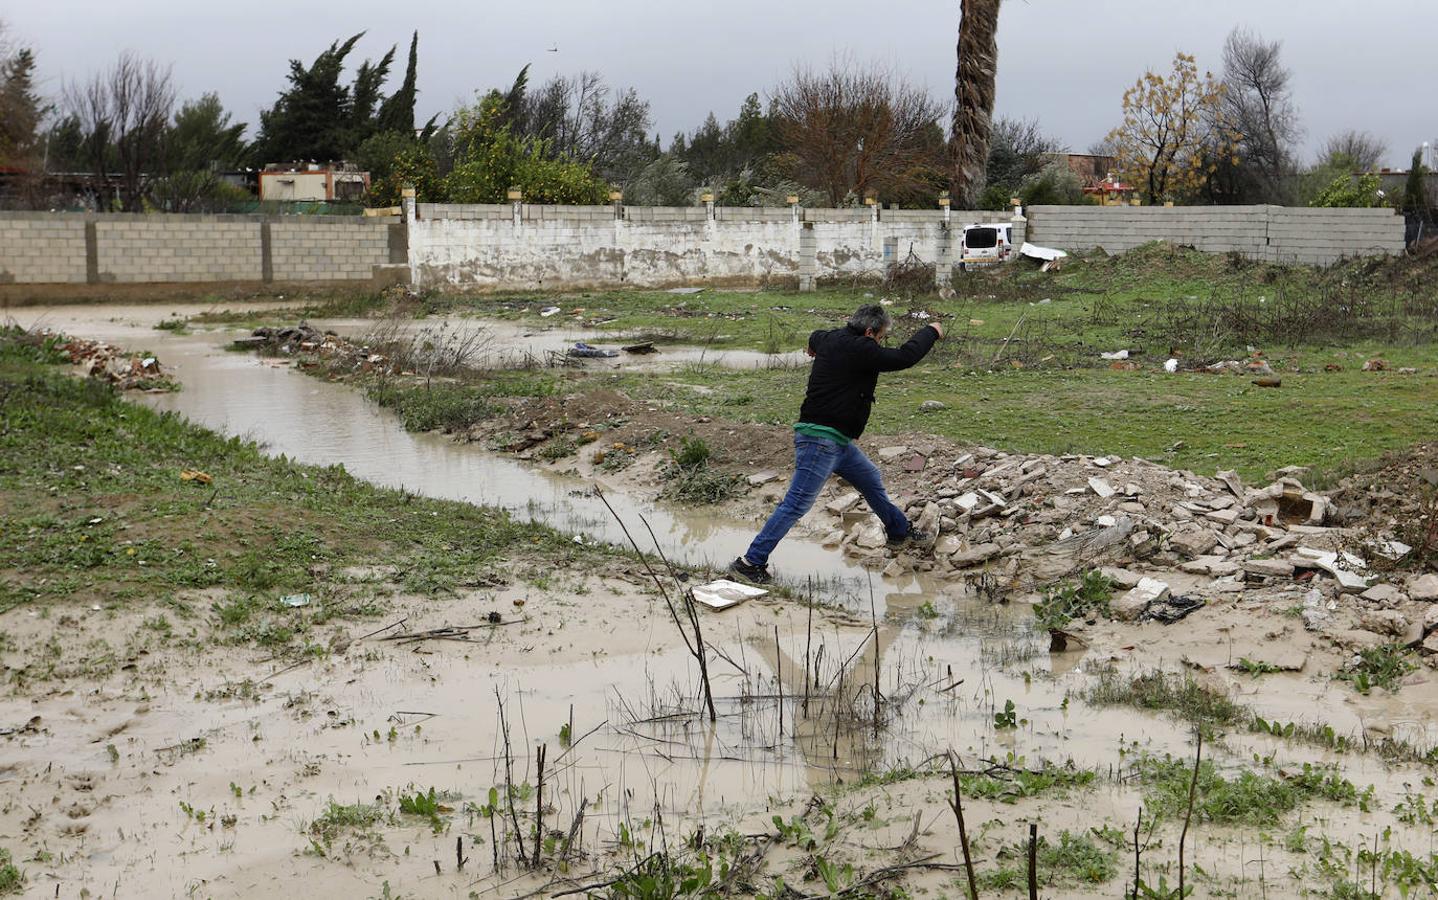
<point>1269,568</point>
<point>1101,487</point>
<point>1424,587</point>
<point>844,503</point>
<point>1345,567</point>
<point>1121,578</point>
<point>1223,516</point>
<point>1214,566</point>
<point>759,479</point>
<point>1388,622</point>
<point>975,555</point>
<point>889,454</point>
<point>1193,543</point>
<point>1231,481</point>
<point>1386,594</point>
<point>1132,604</point>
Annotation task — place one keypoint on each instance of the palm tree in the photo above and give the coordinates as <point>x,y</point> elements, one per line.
<point>978,51</point>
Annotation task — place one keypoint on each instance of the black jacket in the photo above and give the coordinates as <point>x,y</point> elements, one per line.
<point>846,369</point>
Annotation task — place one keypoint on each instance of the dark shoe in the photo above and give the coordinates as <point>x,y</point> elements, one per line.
<point>915,537</point>
<point>750,572</point>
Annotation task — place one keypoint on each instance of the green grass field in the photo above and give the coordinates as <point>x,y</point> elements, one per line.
<point>1021,368</point>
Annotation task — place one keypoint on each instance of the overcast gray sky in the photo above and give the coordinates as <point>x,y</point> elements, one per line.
<point>1367,65</point>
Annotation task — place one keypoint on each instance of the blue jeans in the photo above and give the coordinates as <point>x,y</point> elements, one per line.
<point>815,459</point>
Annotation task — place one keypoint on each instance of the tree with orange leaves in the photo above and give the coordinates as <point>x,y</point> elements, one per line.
<point>1174,134</point>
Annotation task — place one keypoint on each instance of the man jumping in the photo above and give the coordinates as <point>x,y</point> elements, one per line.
<point>847,363</point>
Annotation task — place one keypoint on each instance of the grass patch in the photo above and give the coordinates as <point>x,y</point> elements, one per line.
<point>426,806</point>
<point>1247,797</point>
<point>1007,781</point>
<point>1074,859</point>
<point>444,406</point>
<point>350,825</point>
<point>1156,691</point>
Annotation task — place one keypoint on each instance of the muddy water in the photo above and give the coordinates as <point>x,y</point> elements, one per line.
<point>361,724</point>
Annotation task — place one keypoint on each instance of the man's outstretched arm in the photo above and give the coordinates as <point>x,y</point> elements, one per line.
<point>914,349</point>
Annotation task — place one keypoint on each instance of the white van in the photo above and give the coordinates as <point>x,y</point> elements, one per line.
<point>985,245</point>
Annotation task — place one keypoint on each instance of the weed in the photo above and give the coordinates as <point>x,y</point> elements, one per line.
<point>12,880</point>
<point>1075,858</point>
<point>1251,668</point>
<point>698,485</point>
<point>337,820</point>
<point>1378,666</point>
<point>1007,718</point>
<point>425,806</point>
<point>557,449</point>
<point>692,453</point>
<point>1248,798</point>
<point>661,876</point>
<point>1063,603</point>
<point>439,405</point>
<point>1182,695</point>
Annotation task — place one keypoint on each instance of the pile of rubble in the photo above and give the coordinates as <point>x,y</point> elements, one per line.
<point>126,371</point>
<point>1158,533</point>
<point>291,340</point>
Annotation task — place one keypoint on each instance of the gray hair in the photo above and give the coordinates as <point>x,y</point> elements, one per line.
<point>871,316</point>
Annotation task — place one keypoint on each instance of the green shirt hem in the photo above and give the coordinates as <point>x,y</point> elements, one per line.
<point>823,431</point>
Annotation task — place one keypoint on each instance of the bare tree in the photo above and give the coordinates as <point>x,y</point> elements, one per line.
<point>124,112</point>
<point>1359,150</point>
<point>851,130</point>
<point>1258,105</point>
<point>978,64</point>
<point>583,118</point>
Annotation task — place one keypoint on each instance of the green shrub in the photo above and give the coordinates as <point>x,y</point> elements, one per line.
<point>693,453</point>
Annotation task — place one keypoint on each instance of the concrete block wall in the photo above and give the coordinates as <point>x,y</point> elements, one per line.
<point>498,211</point>
<point>100,248</point>
<point>40,248</point>
<point>1270,233</point>
<point>139,249</point>
<point>335,250</point>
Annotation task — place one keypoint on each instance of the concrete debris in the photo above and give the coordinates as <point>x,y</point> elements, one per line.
<point>1342,565</point>
<point>1424,587</point>
<point>1269,568</point>
<point>933,406</point>
<point>1384,594</point>
<point>1037,519</point>
<point>1101,487</point>
<point>1316,614</point>
<point>759,479</point>
<point>126,371</point>
<point>1389,622</point>
<point>1133,603</point>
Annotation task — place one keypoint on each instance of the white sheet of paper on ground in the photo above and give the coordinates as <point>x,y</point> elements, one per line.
<point>723,593</point>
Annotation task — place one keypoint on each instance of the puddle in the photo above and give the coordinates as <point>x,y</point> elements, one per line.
<point>390,719</point>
